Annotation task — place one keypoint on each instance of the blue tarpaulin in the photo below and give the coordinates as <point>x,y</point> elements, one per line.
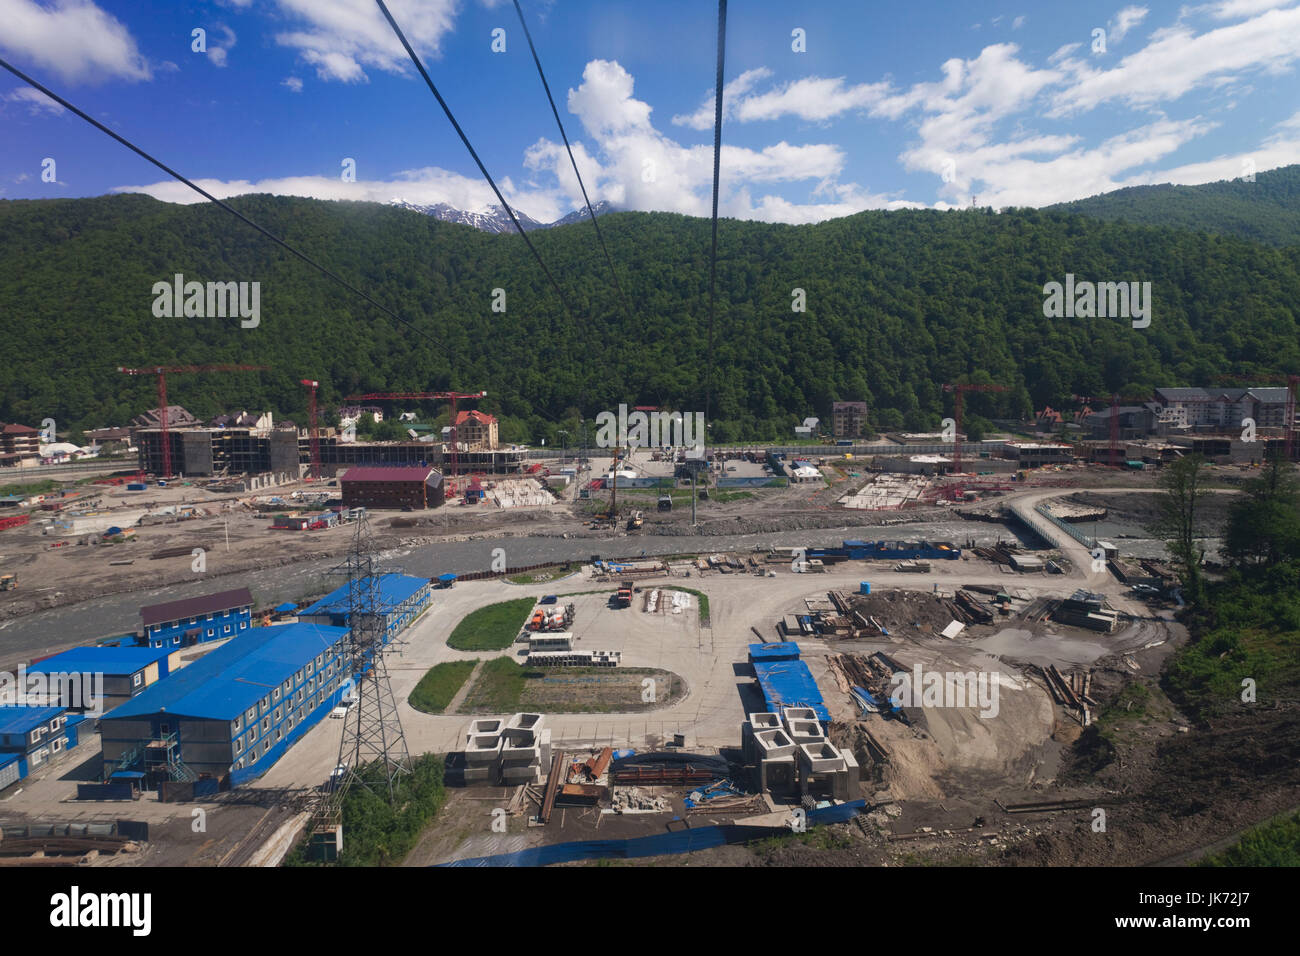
<point>286,607</point>
<point>679,841</point>
<point>789,684</point>
<point>781,651</point>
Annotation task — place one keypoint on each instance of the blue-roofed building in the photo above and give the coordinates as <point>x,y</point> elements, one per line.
<point>400,598</point>
<point>209,617</point>
<point>31,737</point>
<point>232,713</point>
<point>84,678</point>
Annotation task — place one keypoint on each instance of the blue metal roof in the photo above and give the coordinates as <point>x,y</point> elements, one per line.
<point>393,589</point>
<point>285,607</point>
<point>223,684</point>
<point>17,719</point>
<point>786,650</point>
<point>790,684</point>
<point>108,660</point>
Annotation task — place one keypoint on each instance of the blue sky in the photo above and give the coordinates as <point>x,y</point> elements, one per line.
<point>907,104</point>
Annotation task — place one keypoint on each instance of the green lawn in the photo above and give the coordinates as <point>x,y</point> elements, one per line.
<point>1273,844</point>
<point>497,689</point>
<point>491,628</point>
<point>437,688</point>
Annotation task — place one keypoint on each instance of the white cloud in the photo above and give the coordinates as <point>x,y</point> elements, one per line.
<point>703,117</point>
<point>1178,61</point>
<point>1017,23</point>
<point>219,49</point>
<point>342,38</point>
<point>35,101</point>
<point>74,38</point>
<point>1124,21</point>
<point>1234,9</point>
<point>427,186</point>
<point>294,84</point>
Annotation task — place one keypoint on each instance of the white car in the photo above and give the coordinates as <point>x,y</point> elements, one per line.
<point>338,713</point>
<point>336,777</point>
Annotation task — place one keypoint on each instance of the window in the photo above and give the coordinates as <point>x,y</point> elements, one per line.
<point>275,695</point>
<point>266,704</point>
<point>239,747</point>
<point>209,617</point>
<point>279,712</point>
<point>266,725</point>
<point>288,686</point>
<point>239,724</point>
<point>137,680</point>
<point>243,624</point>
<point>56,746</point>
<point>194,620</point>
<point>278,735</point>
<point>252,713</point>
<point>311,668</point>
<point>212,631</point>
<point>300,695</point>
<point>320,659</point>
<point>226,629</point>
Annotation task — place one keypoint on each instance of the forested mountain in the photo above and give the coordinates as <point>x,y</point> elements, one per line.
<point>896,304</point>
<point>1266,210</point>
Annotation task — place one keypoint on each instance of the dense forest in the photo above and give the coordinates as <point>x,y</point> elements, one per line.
<point>897,303</point>
<point>1266,209</point>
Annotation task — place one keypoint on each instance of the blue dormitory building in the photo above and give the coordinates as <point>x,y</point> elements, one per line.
<point>119,672</point>
<point>32,736</point>
<point>232,714</point>
<point>400,598</point>
<point>210,617</point>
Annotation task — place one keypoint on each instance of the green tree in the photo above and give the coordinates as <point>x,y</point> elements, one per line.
<point>1178,520</point>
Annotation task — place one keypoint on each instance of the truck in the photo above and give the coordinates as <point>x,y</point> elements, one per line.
<point>624,596</point>
<point>8,582</point>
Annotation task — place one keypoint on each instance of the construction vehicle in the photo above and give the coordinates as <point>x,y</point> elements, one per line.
<point>635,520</point>
<point>8,582</point>
<point>624,596</point>
<point>665,503</point>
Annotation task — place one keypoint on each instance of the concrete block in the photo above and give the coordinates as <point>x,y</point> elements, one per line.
<point>765,721</point>
<point>770,744</point>
<point>789,714</point>
<point>484,726</point>
<point>517,775</point>
<point>820,758</point>
<point>806,732</point>
<point>483,749</point>
<point>776,774</point>
<point>520,754</point>
<point>523,728</point>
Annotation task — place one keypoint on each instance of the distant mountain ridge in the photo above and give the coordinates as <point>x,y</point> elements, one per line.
<point>1263,209</point>
<point>495,219</point>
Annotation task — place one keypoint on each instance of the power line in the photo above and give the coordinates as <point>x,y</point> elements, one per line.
<point>465,139</point>
<point>211,198</point>
<point>547,87</point>
<point>717,149</point>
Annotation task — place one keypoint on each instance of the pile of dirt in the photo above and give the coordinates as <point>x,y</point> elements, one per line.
<point>896,609</point>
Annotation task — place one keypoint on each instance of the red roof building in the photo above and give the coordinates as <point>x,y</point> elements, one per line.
<point>476,430</point>
<point>19,444</point>
<point>392,487</point>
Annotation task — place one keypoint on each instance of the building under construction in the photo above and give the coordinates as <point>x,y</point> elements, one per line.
<point>285,450</point>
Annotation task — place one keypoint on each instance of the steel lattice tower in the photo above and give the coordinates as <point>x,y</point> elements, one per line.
<point>372,730</point>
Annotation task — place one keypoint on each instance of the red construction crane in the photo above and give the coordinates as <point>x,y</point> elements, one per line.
<point>417,396</point>
<point>959,391</point>
<point>162,371</point>
<point>1276,380</point>
<point>1112,452</point>
<point>313,434</point>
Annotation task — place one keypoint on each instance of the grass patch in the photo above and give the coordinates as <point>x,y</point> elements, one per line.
<point>541,575</point>
<point>377,833</point>
<point>1272,844</point>
<point>703,600</point>
<point>437,687</point>
<point>491,628</point>
<point>498,688</point>
<point>32,488</point>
